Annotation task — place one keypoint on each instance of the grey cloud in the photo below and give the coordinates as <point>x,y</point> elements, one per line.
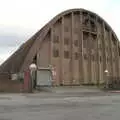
<point>6,51</point>
<point>11,40</point>
<point>15,30</point>
<point>12,36</point>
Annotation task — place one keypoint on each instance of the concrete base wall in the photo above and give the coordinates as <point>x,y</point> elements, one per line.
<point>7,85</point>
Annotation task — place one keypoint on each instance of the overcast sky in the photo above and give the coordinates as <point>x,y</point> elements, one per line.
<point>20,19</point>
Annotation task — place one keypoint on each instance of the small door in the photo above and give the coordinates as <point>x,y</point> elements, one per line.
<point>44,78</point>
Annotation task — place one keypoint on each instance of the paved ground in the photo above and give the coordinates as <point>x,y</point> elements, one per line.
<point>60,106</point>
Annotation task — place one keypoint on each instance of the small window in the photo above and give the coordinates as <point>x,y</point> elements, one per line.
<point>66,28</point>
<point>56,53</point>
<point>86,21</point>
<point>76,30</point>
<point>85,35</point>
<point>107,49</point>
<point>66,54</point>
<point>76,56</point>
<point>115,49</point>
<point>85,56</point>
<point>92,57</point>
<point>93,26</point>
<point>92,16</point>
<point>94,36</point>
<point>107,59</point>
<point>100,46</point>
<point>76,43</point>
<point>66,41</point>
<point>85,13</point>
<point>56,39</point>
<point>35,59</point>
<point>113,59</point>
<point>119,50</point>
<point>100,58</point>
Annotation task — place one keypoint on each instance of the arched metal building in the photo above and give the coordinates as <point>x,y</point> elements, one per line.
<point>78,43</point>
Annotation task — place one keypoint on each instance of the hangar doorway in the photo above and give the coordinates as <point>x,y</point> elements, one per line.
<point>43,77</point>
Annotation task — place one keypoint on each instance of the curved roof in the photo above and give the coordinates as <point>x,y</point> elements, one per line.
<point>22,58</point>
